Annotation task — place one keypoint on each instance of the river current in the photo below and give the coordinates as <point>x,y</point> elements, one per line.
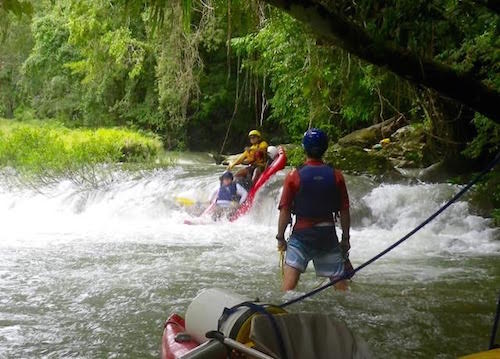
<point>94,272</point>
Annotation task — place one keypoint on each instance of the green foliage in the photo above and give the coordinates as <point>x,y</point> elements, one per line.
<point>163,66</point>
<point>312,83</point>
<point>52,89</point>
<point>295,156</point>
<point>15,45</point>
<point>47,147</point>
<point>496,216</point>
<point>17,7</point>
<point>487,139</point>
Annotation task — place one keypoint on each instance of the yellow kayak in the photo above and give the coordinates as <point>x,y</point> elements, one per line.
<point>489,354</point>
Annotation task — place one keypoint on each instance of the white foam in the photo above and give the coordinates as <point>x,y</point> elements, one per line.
<point>143,208</point>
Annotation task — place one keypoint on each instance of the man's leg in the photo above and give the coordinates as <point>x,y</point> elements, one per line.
<point>331,264</point>
<point>290,279</point>
<point>296,261</point>
<point>216,214</point>
<point>343,285</point>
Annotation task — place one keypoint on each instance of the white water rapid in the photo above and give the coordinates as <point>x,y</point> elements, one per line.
<point>95,272</point>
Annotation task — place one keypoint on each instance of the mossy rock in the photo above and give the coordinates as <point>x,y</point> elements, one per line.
<point>369,136</point>
<point>365,137</point>
<point>409,149</point>
<point>356,160</point>
<point>485,196</point>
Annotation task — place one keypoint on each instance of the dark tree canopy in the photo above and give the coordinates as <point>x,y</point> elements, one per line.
<point>462,87</point>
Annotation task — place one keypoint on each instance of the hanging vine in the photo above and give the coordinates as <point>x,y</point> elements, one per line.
<point>178,66</point>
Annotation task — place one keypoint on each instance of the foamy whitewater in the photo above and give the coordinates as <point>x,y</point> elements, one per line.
<point>92,272</point>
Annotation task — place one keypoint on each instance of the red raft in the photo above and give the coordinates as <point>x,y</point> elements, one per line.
<point>277,165</point>
<point>170,347</point>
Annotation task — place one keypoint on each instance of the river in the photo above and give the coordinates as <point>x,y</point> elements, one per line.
<point>94,272</point>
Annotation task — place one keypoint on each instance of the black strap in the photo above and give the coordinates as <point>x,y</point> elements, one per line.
<point>257,308</point>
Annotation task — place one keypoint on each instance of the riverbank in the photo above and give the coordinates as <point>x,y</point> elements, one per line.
<point>48,148</point>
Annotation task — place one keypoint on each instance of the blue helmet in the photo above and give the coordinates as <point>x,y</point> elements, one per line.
<point>315,142</point>
<point>227,174</point>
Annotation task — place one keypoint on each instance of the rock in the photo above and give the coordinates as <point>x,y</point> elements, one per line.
<point>409,148</point>
<point>401,133</point>
<point>219,159</point>
<point>409,133</point>
<point>435,173</point>
<point>355,160</point>
<point>367,137</point>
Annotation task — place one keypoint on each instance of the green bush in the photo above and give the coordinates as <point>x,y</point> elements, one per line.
<point>486,196</point>
<point>39,148</point>
<point>295,155</point>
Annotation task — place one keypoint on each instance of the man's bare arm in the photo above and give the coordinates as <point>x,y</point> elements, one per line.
<point>283,221</point>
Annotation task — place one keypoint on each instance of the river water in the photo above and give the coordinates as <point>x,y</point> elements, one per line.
<point>94,272</point>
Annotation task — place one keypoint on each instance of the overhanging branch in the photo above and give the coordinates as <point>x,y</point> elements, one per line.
<point>492,5</point>
<point>444,79</point>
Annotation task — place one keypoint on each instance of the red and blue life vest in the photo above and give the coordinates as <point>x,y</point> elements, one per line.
<point>227,193</point>
<point>318,195</point>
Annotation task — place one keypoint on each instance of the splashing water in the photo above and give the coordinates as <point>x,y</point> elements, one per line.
<point>95,272</point>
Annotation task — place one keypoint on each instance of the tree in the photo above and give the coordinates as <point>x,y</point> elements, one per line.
<point>16,45</point>
<point>449,82</point>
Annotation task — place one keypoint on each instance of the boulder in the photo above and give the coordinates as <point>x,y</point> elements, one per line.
<point>356,160</point>
<point>409,148</point>
<point>367,137</point>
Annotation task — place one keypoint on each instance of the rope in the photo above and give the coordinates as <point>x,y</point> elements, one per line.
<point>495,327</point>
<point>260,309</point>
<point>349,274</point>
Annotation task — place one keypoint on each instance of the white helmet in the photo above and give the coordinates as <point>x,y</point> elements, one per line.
<point>272,152</point>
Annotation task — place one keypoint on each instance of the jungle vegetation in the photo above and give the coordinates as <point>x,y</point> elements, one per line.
<point>188,69</point>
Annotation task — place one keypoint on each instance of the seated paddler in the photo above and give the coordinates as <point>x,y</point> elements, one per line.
<point>255,157</point>
<point>229,196</point>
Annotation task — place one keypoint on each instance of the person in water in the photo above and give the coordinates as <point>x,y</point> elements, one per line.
<point>254,156</point>
<point>314,193</point>
<point>228,197</point>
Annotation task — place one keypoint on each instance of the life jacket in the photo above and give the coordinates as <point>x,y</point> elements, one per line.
<point>257,153</point>
<point>227,193</point>
<point>318,195</point>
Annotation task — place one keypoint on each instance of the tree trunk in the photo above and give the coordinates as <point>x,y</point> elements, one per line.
<point>444,79</point>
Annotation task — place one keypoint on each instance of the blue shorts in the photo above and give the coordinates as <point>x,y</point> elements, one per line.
<point>327,262</point>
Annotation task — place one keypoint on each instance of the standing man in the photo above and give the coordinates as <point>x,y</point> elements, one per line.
<point>314,192</point>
